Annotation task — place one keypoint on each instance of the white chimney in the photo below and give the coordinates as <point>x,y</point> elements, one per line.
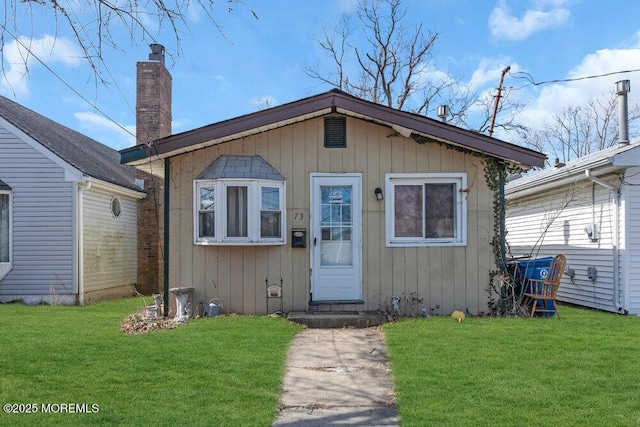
<point>622,88</point>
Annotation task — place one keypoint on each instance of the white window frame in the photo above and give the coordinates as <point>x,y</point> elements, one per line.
<point>5,266</point>
<point>460,182</point>
<point>254,204</point>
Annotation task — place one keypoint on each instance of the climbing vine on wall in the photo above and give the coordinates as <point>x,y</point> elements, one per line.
<point>494,169</point>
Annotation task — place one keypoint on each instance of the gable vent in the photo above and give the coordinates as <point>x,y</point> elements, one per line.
<point>335,132</point>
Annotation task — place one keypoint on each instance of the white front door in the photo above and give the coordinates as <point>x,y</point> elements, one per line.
<point>336,237</point>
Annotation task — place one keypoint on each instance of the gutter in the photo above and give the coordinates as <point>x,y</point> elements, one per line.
<point>82,187</point>
<point>133,154</point>
<point>616,237</point>
<point>515,190</point>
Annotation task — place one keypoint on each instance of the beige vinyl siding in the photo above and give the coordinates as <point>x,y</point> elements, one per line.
<point>554,222</point>
<point>445,277</point>
<point>42,223</point>
<point>110,244</point>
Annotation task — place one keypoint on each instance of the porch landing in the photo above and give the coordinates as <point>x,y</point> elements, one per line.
<point>337,319</point>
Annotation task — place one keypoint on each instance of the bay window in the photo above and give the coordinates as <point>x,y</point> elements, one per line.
<point>426,209</point>
<point>239,212</point>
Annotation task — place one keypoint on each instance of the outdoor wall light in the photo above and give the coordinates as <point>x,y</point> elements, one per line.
<point>378,192</point>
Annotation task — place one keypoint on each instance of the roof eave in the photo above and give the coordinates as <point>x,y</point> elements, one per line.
<point>601,167</point>
<point>320,105</point>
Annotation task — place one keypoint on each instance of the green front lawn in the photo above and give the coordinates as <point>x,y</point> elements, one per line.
<point>581,371</point>
<point>214,371</point>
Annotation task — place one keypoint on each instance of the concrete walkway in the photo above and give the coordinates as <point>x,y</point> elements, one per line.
<point>338,377</point>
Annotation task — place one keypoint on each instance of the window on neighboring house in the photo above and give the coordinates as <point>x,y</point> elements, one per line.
<point>426,209</point>
<point>249,212</point>
<point>116,207</point>
<point>5,229</point>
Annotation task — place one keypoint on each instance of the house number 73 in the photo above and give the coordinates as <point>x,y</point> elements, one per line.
<point>298,215</point>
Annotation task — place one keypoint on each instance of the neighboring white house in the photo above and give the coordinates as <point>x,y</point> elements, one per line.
<point>67,213</point>
<point>589,210</point>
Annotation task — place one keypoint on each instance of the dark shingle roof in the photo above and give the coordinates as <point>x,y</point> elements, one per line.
<point>85,154</point>
<point>250,167</point>
<point>322,104</point>
<point>4,186</point>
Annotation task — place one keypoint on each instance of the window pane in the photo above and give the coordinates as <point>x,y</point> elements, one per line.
<point>335,194</point>
<point>326,234</point>
<point>270,199</point>
<point>237,212</point>
<point>408,210</point>
<point>270,224</point>
<point>440,210</point>
<point>206,225</point>
<point>326,215</point>
<point>4,228</point>
<point>346,214</point>
<point>336,248</point>
<point>207,198</point>
<point>335,214</point>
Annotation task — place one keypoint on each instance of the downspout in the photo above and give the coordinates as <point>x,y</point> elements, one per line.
<point>82,187</point>
<point>165,250</point>
<point>616,236</point>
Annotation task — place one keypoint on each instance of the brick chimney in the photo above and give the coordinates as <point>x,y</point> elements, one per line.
<point>153,121</point>
<point>153,97</point>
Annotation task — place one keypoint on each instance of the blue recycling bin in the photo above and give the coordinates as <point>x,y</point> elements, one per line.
<point>525,269</point>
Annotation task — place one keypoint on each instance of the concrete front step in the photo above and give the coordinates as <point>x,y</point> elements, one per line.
<point>324,320</point>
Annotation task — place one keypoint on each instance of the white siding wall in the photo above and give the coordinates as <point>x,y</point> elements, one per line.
<point>631,254</point>
<point>110,244</point>
<point>554,223</point>
<point>42,223</point>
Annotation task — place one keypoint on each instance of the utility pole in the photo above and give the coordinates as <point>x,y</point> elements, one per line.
<point>495,105</point>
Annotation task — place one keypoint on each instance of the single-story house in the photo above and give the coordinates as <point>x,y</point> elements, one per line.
<point>67,213</point>
<point>332,203</point>
<point>586,209</point>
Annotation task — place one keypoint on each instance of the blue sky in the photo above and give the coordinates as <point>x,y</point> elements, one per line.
<point>216,78</point>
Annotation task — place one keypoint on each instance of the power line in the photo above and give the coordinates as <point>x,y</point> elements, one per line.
<point>67,84</point>
<point>531,80</point>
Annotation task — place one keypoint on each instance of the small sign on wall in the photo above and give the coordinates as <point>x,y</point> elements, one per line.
<point>274,291</point>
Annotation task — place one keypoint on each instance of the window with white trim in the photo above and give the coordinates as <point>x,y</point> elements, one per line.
<point>5,229</point>
<point>239,212</point>
<point>427,209</point>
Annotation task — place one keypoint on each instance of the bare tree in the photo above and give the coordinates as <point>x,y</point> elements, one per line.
<point>390,61</point>
<point>579,130</point>
<point>393,67</point>
<point>95,23</point>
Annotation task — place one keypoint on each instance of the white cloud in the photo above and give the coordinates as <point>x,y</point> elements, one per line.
<point>105,131</point>
<point>504,25</point>
<point>23,55</point>
<point>554,98</point>
<point>489,71</point>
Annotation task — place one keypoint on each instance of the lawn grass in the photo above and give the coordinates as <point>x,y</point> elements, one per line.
<point>213,371</point>
<point>581,371</point>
